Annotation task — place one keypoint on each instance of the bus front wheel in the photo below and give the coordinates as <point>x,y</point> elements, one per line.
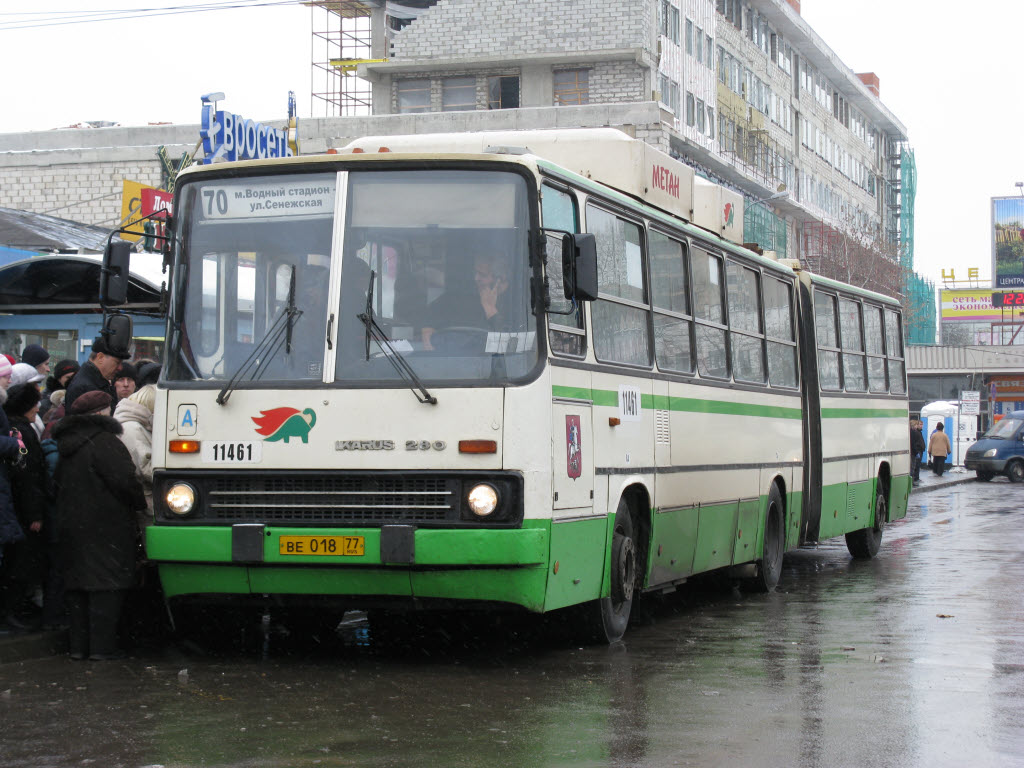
<point>769,567</point>
<point>865,543</point>
<point>604,620</point>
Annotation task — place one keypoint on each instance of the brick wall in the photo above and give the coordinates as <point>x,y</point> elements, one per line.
<point>480,28</point>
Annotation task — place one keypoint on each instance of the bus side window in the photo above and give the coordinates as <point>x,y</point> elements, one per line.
<point>875,345</point>
<point>778,315</point>
<point>673,324</point>
<point>566,334</point>
<point>745,337</point>
<point>828,341</point>
<point>709,314</point>
<point>894,351</point>
<point>621,318</point>
<point>853,348</point>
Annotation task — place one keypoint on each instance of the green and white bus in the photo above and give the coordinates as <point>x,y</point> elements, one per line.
<point>523,369</point>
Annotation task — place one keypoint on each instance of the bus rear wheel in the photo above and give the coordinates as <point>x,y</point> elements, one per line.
<point>605,620</point>
<point>769,567</point>
<point>865,543</point>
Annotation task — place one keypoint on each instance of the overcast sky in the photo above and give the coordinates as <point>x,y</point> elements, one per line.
<point>949,75</point>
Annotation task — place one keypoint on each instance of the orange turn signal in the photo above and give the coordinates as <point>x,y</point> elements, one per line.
<point>183,446</point>
<point>383,149</point>
<point>614,421</point>
<point>357,151</point>
<point>478,446</point>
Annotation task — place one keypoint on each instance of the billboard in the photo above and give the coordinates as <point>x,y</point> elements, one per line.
<point>1008,242</point>
<point>969,306</point>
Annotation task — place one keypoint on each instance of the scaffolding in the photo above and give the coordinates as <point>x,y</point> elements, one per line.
<point>342,37</point>
<point>918,294</point>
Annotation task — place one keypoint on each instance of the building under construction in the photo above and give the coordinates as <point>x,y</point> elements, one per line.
<point>743,91</point>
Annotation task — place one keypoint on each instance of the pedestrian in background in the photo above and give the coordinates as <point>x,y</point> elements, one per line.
<point>135,415</point>
<point>37,357</point>
<point>97,498</point>
<point>917,449</point>
<point>23,373</point>
<point>63,373</point>
<point>22,574</point>
<point>11,448</point>
<point>97,374</point>
<point>124,380</point>
<point>939,449</point>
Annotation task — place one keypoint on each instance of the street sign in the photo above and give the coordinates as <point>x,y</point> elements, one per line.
<point>970,403</point>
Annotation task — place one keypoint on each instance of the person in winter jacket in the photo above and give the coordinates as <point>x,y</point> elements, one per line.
<point>917,446</point>
<point>63,373</point>
<point>11,447</point>
<point>135,414</point>
<point>939,449</point>
<point>97,497</point>
<point>37,357</point>
<point>97,374</point>
<point>23,571</point>
<point>23,373</point>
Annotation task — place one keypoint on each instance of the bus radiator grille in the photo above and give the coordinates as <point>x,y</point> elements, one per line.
<point>344,499</point>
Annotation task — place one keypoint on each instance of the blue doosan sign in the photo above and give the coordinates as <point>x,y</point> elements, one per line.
<point>227,136</point>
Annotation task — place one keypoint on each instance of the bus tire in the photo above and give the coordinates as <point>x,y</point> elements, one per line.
<point>865,543</point>
<point>769,567</point>
<point>1015,471</point>
<point>605,620</point>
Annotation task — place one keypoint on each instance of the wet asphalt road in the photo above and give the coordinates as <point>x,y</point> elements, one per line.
<point>913,659</point>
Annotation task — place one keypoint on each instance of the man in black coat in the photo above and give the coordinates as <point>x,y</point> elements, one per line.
<point>917,447</point>
<point>97,374</point>
<point>97,497</point>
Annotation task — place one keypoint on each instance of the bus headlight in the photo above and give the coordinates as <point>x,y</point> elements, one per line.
<point>181,498</point>
<point>483,499</point>
<point>990,453</point>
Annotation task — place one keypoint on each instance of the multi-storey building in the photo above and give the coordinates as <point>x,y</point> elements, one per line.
<point>742,90</point>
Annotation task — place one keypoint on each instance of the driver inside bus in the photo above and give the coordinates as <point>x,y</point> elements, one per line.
<point>483,305</point>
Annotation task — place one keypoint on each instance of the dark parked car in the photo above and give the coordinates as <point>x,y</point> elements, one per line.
<point>1000,450</point>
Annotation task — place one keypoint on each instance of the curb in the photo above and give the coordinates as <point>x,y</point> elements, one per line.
<point>940,486</point>
<point>33,645</point>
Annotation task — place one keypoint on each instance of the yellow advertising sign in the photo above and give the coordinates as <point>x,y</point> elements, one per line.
<point>131,205</point>
<point>969,305</point>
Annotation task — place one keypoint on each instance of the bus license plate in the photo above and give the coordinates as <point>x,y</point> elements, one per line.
<point>330,546</point>
<point>233,452</point>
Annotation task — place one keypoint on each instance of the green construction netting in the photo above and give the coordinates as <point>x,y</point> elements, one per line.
<point>919,310</point>
<point>763,227</point>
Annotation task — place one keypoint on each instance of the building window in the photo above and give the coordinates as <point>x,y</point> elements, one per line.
<point>690,116</point>
<point>572,87</point>
<point>458,94</point>
<point>689,37</point>
<point>669,21</point>
<point>413,96</point>
<point>700,116</point>
<point>709,52</point>
<point>503,92</point>
<point>711,122</point>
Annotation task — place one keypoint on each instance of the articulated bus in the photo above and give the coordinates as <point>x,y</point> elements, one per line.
<point>504,370</point>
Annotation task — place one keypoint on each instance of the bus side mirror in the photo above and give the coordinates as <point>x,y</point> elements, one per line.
<point>117,332</point>
<point>114,274</point>
<point>579,265</point>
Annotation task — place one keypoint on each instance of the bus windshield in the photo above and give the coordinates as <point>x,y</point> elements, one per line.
<point>258,279</point>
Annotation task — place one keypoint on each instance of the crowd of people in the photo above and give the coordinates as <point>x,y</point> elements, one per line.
<point>75,492</point>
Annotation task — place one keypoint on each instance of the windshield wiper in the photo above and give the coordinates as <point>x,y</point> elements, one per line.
<point>375,333</point>
<point>280,332</point>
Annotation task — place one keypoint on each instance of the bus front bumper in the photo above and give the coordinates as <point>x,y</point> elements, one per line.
<point>506,565</point>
